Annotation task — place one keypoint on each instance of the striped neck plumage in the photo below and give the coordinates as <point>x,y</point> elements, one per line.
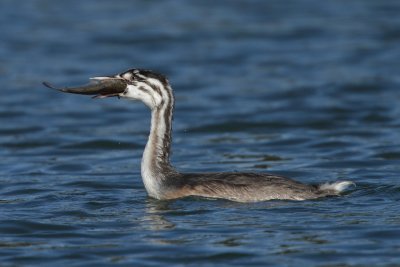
<point>155,162</point>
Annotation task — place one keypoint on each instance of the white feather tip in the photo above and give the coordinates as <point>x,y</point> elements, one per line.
<point>337,186</point>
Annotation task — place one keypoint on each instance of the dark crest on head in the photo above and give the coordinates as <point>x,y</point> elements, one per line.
<point>140,74</point>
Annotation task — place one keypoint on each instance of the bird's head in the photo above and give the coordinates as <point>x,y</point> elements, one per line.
<point>147,86</point>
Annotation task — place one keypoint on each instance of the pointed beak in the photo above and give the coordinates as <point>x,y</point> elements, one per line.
<point>100,87</point>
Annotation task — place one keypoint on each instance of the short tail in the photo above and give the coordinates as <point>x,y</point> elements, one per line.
<point>336,187</point>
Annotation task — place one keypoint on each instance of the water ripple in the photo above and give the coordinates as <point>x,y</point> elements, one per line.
<point>306,89</point>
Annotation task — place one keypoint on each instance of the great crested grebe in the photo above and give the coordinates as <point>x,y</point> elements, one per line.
<point>161,180</point>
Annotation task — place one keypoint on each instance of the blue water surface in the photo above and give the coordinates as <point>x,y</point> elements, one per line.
<point>308,89</point>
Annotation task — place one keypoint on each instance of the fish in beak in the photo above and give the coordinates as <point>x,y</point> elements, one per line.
<point>100,87</point>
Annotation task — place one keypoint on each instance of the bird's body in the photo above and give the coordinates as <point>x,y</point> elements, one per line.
<point>241,187</point>
<point>162,181</point>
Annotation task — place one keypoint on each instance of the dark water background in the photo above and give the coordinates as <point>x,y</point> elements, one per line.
<point>307,89</point>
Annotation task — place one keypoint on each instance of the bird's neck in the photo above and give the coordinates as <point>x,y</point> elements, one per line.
<point>155,162</point>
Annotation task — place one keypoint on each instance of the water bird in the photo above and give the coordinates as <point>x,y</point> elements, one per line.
<point>161,179</point>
